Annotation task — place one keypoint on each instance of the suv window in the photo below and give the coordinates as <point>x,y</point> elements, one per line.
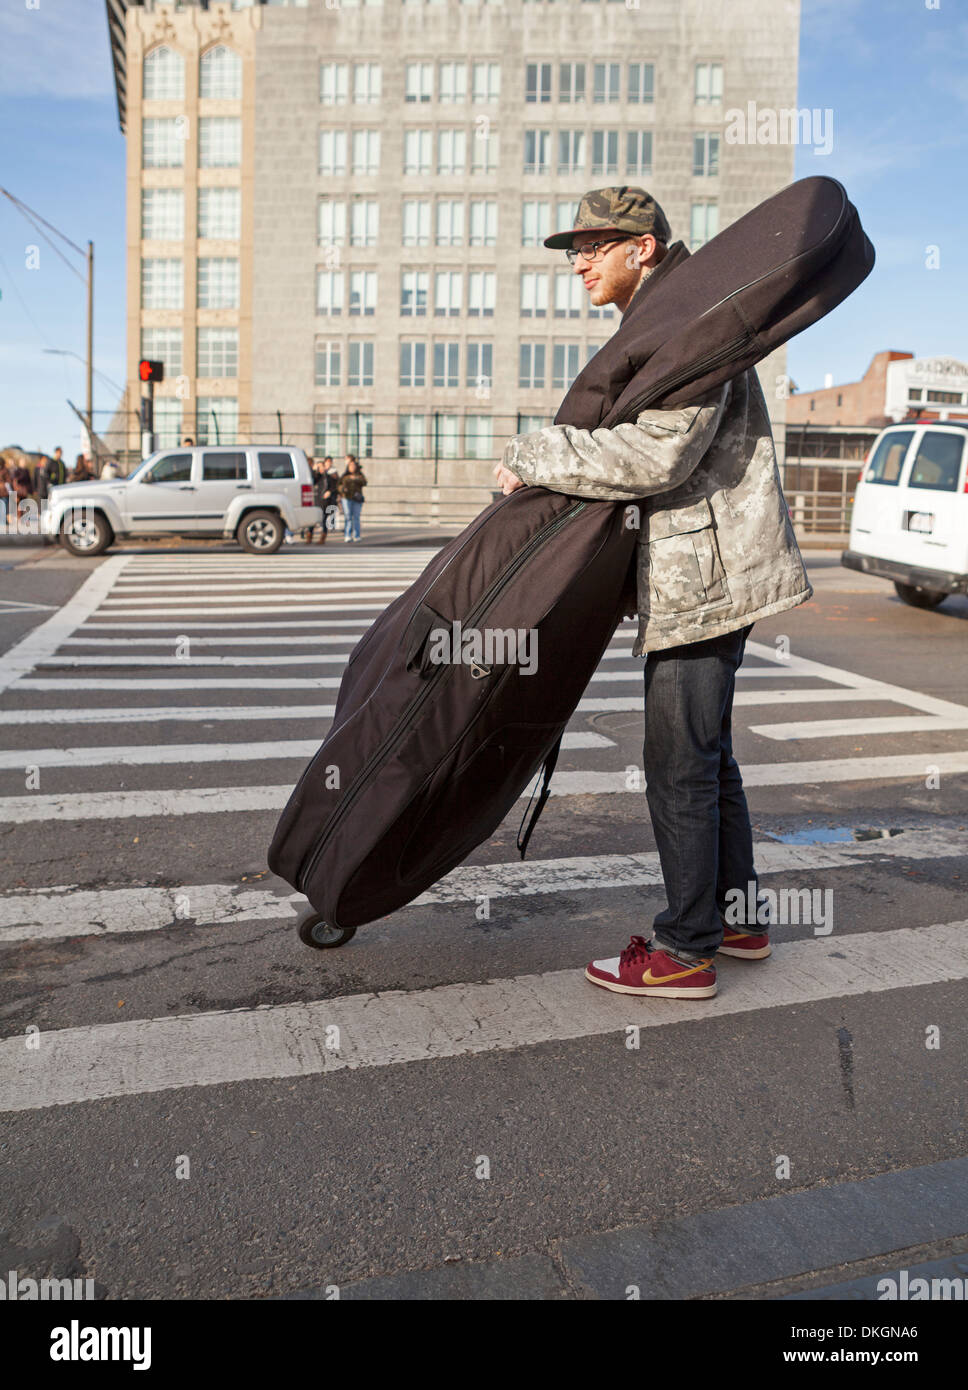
<point>276,465</point>
<point>218,468</point>
<point>173,468</point>
<point>937,464</point>
<point>888,459</point>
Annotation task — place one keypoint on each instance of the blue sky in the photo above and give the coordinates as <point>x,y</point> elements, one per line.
<point>893,72</point>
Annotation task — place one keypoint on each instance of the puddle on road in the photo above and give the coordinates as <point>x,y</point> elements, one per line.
<point>834,834</point>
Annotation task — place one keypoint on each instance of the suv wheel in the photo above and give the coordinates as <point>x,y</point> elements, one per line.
<point>260,533</point>
<point>919,598</point>
<point>85,533</point>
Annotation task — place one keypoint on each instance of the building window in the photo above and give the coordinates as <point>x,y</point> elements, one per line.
<point>534,294</point>
<point>607,82</point>
<point>912,395</point>
<point>220,213</point>
<point>162,143</point>
<point>331,222</point>
<point>605,152</point>
<point>944,397</point>
<point>366,151</point>
<point>641,82</point>
<point>218,282</point>
<point>359,434</point>
<point>327,364</point>
<point>218,352</point>
<point>486,82</point>
<point>709,83</point>
<point>162,283</point>
<point>705,155</point>
<point>531,365</point>
<point>446,436</point>
<point>332,151</point>
<point>601,311</point>
<point>163,345</point>
<point>537,82</point>
<point>447,293</point>
<point>326,435</point>
<point>329,292</point>
<point>479,365</point>
<point>219,142</point>
<point>483,222</point>
<point>411,436</point>
<point>450,222</point>
<point>537,149</point>
<point>450,151</point>
<point>365,221</point>
<point>452,82</point>
<point>478,437</point>
<point>216,420</point>
<point>413,364</point>
<point>220,74</point>
<point>484,151</point>
<point>481,293</point>
<point>571,82</point>
<point>162,214</point>
<point>703,224</point>
<point>564,365</point>
<point>164,75</point>
<point>333,82</point>
<point>569,293</point>
<point>414,285</point>
<point>840,398</point>
<point>638,152</point>
<point>416,151</point>
<point>416,222</point>
<point>363,292</point>
<point>168,422</point>
<point>813,405</point>
<point>535,223</point>
<point>419,82</point>
<point>565,214</point>
<point>360,366</point>
<point>367,84</point>
<point>446,364</point>
<point>571,152</point>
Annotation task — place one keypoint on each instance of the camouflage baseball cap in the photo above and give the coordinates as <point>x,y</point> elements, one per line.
<point>619,209</point>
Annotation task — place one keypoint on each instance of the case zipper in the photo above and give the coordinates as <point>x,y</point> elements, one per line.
<point>356,786</point>
<point>668,383</point>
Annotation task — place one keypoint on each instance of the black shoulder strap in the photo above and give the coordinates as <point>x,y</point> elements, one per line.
<point>549,767</point>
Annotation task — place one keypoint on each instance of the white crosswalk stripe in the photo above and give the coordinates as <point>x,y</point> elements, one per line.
<point>209,1049</point>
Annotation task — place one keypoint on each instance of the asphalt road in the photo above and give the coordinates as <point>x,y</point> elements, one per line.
<point>173,1119</point>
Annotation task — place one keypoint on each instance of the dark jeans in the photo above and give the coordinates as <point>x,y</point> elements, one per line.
<point>694,789</point>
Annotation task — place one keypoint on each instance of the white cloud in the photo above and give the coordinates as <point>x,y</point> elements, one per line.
<point>58,50</point>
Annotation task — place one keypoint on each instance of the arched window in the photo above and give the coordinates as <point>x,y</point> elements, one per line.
<point>221,73</point>
<point>164,75</point>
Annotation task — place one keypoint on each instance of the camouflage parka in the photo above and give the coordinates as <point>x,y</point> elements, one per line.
<point>716,548</point>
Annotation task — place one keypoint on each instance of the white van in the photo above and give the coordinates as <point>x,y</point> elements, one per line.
<point>910,518</point>
<point>248,493</point>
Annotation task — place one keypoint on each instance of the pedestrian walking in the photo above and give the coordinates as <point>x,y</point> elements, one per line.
<point>42,482</point>
<point>80,473</point>
<point>716,552</point>
<point>350,490</point>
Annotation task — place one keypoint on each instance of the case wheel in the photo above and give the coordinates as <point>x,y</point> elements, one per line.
<point>315,932</point>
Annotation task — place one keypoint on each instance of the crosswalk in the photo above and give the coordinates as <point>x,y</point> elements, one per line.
<point>133,700</point>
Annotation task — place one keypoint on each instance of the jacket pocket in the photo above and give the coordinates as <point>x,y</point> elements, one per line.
<point>683,565</point>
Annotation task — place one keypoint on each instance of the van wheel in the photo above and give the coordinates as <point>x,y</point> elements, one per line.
<point>85,533</point>
<point>919,598</point>
<point>260,533</point>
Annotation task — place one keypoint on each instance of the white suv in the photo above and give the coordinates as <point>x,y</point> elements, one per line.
<point>243,491</point>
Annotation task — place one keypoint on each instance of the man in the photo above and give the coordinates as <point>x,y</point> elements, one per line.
<point>58,468</point>
<point>187,442</point>
<point>716,551</point>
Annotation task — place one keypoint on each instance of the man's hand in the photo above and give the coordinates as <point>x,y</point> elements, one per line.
<point>507,481</point>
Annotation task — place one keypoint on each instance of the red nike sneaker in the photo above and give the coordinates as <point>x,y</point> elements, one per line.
<point>645,969</point>
<point>745,945</point>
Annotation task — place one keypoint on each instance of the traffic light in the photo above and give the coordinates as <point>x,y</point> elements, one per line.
<point>151,371</point>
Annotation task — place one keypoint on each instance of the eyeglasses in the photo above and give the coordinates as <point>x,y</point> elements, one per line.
<point>592,250</point>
